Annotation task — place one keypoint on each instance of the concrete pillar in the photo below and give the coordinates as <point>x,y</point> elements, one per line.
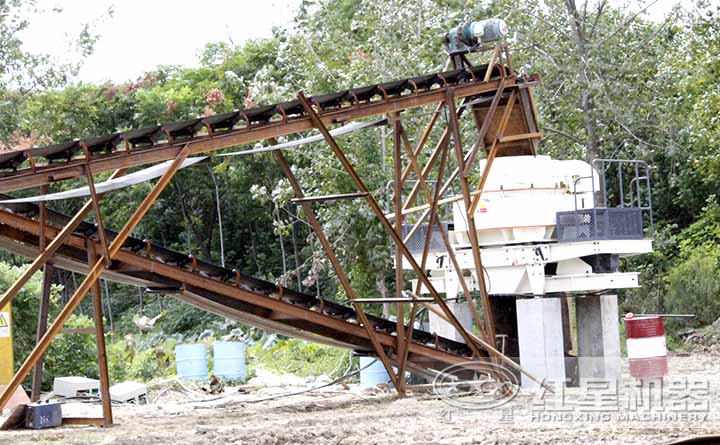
<point>598,332</point>
<point>445,329</point>
<point>540,335</point>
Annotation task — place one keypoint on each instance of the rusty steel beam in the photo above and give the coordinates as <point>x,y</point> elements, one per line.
<point>207,144</point>
<point>484,128</point>
<point>335,197</point>
<point>48,251</point>
<point>428,238</point>
<point>493,152</point>
<point>497,353</point>
<point>98,217</point>
<point>100,339</point>
<point>43,311</point>
<point>399,281</point>
<point>442,143</point>
<point>433,200</point>
<point>489,326</point>
<point>45,255</point>
<point>44,307</point>
<point>423,139</point>
<point>188,278</point>
<point>43,218</point>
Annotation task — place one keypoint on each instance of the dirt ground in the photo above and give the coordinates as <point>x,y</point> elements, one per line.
<point>347,414</point>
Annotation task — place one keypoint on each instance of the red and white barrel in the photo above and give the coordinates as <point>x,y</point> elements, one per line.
<point>646,348</point>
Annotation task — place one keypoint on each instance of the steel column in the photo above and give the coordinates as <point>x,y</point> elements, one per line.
<point>42,328</point>
<point>399,282</point>
<point>100,339</point>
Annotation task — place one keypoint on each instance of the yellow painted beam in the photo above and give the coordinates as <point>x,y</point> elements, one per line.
<point>6,346</point>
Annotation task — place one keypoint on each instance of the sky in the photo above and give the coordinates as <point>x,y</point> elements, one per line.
<point>142,34</point>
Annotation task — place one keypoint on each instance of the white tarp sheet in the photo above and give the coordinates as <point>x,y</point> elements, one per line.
<point>158,170</point>
<point>340,131</point>
<point>113,184</point>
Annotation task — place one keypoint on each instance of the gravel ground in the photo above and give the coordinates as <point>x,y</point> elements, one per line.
<point>338,414</point>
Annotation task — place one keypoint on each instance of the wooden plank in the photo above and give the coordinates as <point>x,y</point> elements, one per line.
<point>84,421</point>
<point>520,137</point>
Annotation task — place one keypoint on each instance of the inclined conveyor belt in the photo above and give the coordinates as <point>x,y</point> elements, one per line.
<point>222,291</point>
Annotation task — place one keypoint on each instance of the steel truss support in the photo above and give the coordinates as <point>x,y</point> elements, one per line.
<point>339,271</point>
<point>46,253</point>
<point>483,128</point>
<point>433,201</point>
<point>479,270</point>
<point>493,152</point>
<point>98,216</point>
<point>421,144</point>
<point>37,377</point>
<point>93,273</point>
<point>397,240</point>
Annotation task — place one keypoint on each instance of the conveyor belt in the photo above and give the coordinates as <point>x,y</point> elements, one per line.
<point>224,292</point>
<point>21,169</point>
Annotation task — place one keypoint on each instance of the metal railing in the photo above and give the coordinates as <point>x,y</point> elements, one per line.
<point>624,217</point>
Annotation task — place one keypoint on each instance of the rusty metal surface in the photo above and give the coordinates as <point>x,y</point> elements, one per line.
<point>162,142</point>
<point>223,291</point>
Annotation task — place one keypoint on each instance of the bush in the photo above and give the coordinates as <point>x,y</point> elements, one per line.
<point>119,357</point>
<point>72,354</point>
<point>299,357</point>
<point>694,286</point>
<point>143,359</point>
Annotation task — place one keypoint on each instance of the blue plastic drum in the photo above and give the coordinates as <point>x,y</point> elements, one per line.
<point>375,374</point>
<point>229,360</point>
<point>191,361</point>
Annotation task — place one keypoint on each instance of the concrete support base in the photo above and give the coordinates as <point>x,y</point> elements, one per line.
<point>540,336</point>
<point>445,329</point>
<point>598,332</point>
